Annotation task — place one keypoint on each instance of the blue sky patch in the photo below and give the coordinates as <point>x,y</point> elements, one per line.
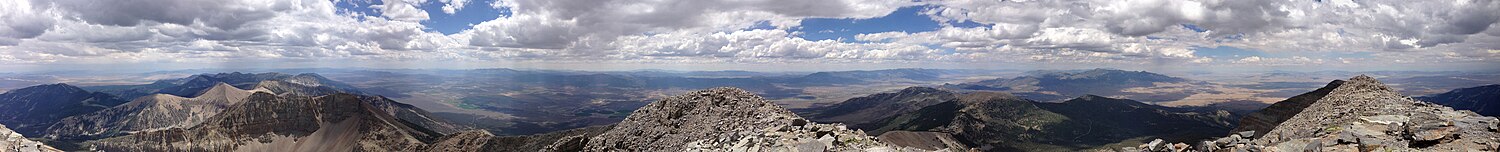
<point>1195,28</point>
<point>473,13</point>
<point>906,19</point>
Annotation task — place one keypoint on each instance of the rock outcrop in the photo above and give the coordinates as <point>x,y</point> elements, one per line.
<point>10,141</point>
<point>724,119</point>
<point>31,110</point>
<point>1363,115</point>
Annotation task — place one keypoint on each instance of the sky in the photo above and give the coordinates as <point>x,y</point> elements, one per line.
<point>765,35</point>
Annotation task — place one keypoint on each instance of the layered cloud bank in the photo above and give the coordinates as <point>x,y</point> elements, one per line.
<point>1102,32</point>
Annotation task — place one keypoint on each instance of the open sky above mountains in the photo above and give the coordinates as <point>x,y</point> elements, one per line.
<point>39,35</point>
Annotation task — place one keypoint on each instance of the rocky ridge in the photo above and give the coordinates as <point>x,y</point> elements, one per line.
<point>11,141</point>
<point>1267,118</point>
<point>724,119</point>
<point>337,122</point>
<point>153,112</point>
<point>997,121</point>
<point>1362,115</point>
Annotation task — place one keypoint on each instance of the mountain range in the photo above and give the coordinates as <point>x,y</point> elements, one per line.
<point>1484,100</point>
<point>1062,85</point>
<point>31,110</point>
<point>997,121</point>
<point>306,112</point>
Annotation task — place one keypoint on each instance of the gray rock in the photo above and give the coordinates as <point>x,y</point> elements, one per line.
<point>1247,134</point>
<point>1156,145</point>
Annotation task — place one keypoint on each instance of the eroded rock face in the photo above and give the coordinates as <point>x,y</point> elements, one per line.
<point>1365,115</point>
<point>11,141</point>
<point>725,119</point>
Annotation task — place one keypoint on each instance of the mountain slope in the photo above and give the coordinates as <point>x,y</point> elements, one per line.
<point>306,84</point>
<point>1484,100</point>
<point>863,109</point>
<point>1362,114</point>
<point>1264,120</point>
<point>31,110</point>
<point>1363,99</point>
<point>1062,85</point>
<point>154,112</point>
<point>338,122</point>
<point>995,121</point>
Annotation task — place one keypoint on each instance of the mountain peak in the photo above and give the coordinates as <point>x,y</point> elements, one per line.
<point>1362,102</point>
<point>56,87</point>
<point>719,119</point>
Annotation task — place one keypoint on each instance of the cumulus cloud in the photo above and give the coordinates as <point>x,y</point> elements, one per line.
<point>588,24</point>
<point>673,31</point>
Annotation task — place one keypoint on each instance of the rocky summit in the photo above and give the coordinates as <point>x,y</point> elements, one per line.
<point>725,119</point>
<point>1361,114</point>
<point>10,141</point>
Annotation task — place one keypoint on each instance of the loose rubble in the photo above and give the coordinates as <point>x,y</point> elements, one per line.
<point>726,119</point>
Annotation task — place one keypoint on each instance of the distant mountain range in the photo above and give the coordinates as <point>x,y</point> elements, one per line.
<point>31,110</point>
<point>1062,85</point>
<point>306,84</point>
<point>996,121</point>
<point>1484,100</point>
<point>337,122</point>
<point>153,112</point>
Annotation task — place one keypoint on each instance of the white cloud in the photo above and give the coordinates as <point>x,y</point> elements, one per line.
<point>588,25</point>
<point>404,10</point>
<point>1098,32</point>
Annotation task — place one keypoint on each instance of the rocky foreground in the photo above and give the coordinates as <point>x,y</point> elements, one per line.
<point>10,141</point>
<point>1360,114</point>
<point>727,119</point>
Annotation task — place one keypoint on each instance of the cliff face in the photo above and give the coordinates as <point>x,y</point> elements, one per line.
<point>1363,114</point>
